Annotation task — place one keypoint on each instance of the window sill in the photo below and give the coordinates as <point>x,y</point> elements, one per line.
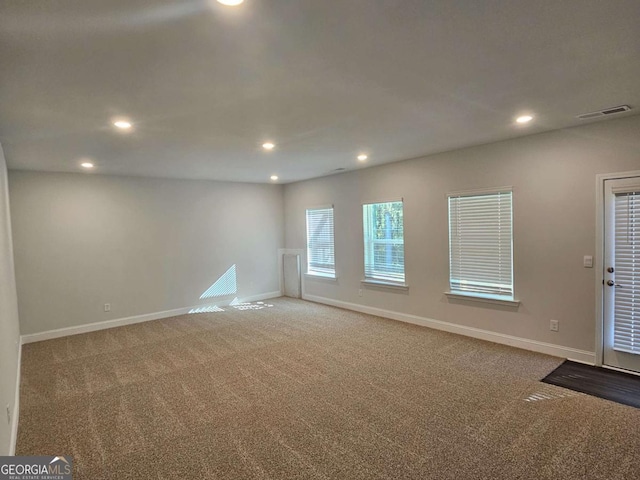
<point>494,299</point>
<point>321,277</point>
<point>368,282</point>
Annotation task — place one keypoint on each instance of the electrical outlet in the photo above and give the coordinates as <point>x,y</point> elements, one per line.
<point>107,307</point>
<point>554,325</point>
<point>360,292</point>
<point>8,414</point>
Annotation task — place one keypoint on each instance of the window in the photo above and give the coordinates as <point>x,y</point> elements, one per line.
<point>383,242</point>
<point>481,244</point>
<point>626,334</point>
<point>320,245</point>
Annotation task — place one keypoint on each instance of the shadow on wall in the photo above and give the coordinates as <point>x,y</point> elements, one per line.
<point>226,286</point>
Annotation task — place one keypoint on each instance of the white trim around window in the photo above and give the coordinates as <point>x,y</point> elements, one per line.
<point>383,235</point>
<point>320,242</point>
<point>481,245</point>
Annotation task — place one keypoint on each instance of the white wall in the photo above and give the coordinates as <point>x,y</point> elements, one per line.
<point>143,245</point>
<point>554,182</point>
<point>9,328</point>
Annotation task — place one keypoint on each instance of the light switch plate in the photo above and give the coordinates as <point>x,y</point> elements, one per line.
<point>587,261</point>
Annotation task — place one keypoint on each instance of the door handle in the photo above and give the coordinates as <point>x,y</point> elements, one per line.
<point>611,283</point>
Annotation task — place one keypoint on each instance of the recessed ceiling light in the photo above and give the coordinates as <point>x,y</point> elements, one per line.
<point>362,157</point>
<point>122,124</point>
<point>268,146</point>
<point>274,177</point>
<point>524,119</point>
<point>87,165</point>
<point>230,3</point>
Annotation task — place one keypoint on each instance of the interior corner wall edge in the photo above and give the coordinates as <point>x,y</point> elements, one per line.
<point>141,245</point>
<point>9,325</point>
<point>553,176</point>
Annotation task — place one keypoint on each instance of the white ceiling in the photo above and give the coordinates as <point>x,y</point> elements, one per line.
<point>206,85</point>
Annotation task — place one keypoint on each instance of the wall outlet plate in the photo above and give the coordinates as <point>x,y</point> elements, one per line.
<point>554,325</point>
<point>107,307</point>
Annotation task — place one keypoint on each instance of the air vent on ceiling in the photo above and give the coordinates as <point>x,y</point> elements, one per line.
<point>606,111</point>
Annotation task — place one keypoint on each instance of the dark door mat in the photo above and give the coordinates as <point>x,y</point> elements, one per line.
<point>600,382</point>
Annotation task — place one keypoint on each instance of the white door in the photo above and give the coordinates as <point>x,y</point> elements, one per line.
<point>621,297</point>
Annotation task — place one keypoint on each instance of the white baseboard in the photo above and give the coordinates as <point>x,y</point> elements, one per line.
<point>524,343</point>
<point>120,322</point>
<point>16,406</point>
<point>262,296</point>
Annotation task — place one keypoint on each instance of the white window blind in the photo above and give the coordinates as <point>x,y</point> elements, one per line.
<point>383,242</point>
<point>481,244</point>
<point>320,242</point>
<point>626,335</point>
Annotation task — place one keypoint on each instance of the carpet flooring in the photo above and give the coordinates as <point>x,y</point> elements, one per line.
<point>305,391</point>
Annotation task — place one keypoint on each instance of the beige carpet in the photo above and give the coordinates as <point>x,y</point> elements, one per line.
<point>300,390</point>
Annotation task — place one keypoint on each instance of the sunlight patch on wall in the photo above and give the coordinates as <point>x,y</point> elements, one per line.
<point>225,285</point>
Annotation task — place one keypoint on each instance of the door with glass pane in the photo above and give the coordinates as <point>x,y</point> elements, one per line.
<point>622,274</point>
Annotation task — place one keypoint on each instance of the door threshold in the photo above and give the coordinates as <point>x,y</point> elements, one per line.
<point>621,370</point>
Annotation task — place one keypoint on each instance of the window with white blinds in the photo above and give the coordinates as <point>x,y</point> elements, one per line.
<point>320,242</point>
<point>383,242</point>
<point>626,335</point>
<point>481,244</point>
